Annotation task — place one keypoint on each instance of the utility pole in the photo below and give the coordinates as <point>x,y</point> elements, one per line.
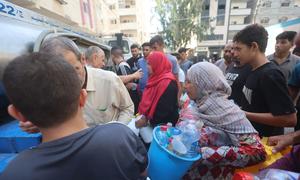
<point>228,23</point>
<point>256,10</point>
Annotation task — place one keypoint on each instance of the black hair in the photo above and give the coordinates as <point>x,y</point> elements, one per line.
<point>296,50</point>
<point>181,50</point>
<point>289,35</point>
<point>115,48</point>
<point>253,33</point>
<point>44,87</point>
<point>177,55</point>
<point>157,39</point>
<point>146,44</point>
<point>133,46</point>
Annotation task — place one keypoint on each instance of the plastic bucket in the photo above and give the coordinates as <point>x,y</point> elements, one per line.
<point>165,165</point>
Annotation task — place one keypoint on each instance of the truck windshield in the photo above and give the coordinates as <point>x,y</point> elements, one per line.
<point>125,45</point>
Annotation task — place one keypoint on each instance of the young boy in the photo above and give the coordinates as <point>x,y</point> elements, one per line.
<point>267,104</point>
<point>283,58</point>
<point>45,90</point>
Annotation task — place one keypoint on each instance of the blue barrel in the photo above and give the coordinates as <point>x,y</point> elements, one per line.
<point>165,165</point>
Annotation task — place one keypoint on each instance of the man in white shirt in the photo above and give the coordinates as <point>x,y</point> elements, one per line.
<point>107,100</point>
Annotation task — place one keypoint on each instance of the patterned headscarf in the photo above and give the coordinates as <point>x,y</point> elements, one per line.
<point>214,108</point>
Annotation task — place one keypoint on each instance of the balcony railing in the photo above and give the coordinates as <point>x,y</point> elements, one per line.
<point>128,26</point>
<point>127,11</point>
<point>240,12</point>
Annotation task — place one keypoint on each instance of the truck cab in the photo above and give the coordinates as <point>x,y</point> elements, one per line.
<point>24,32</point>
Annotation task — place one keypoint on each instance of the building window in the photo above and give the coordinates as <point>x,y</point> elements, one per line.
<point>212,37</point>
<point>283,19</point>
<point>132,3</point>
<point>221,6</point>
<point>265,20</point>
<point>285,3</point>
<point>206,7</point>
<point>113,21</point>
<point>235,7</point>
<point>128,21</point>
<point>111,7</point>
<point>85,7</point>
<point>267,4</point>
<point>220,20</point>
<point>221,13</point>
<point>205,13</point>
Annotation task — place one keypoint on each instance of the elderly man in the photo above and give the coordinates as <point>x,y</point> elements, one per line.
<point>107,99</point>
<point>95,57</point>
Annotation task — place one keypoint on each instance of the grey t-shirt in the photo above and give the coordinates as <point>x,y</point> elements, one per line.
<point>174,63</point>
<point>287,66</point>
<point>110,151</point>
<point>224,68</point>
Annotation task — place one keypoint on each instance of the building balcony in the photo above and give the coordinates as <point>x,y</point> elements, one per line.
<point>127,11</point>
<point>128,26</point>
<point>240,12</point>
<point>237,27</point>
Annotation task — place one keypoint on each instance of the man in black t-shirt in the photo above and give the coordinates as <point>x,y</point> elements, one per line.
<point>53,100</point>
<point>267,103</point>
<point>236,78</point>
<point>133,61</point>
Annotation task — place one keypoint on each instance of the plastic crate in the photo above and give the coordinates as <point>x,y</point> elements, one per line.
<point>14,140</point>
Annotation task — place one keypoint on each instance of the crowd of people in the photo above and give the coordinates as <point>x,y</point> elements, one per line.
<point>82,110</point>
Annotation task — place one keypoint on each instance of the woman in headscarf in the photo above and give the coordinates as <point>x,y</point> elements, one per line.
<point>228,140</point>
<point>159,101</point>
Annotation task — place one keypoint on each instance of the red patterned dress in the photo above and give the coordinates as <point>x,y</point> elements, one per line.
<point>219,160</point>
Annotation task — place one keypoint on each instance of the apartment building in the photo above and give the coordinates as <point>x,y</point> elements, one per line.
<point>224,18</point>
<point>283,10</point>
<point>99,17</point>
<point>130,17</point>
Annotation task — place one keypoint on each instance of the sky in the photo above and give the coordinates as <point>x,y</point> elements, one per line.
<point>155,24</point>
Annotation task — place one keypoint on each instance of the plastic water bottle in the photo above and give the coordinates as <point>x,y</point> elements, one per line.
<point>189,137</point>
<point>193,151</point>
<point>178,146</point>
<point>162,136</point>
<point>190,134</point>
<point>173,131</point>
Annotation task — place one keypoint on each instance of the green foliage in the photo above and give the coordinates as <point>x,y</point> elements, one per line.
<point>180,20</point>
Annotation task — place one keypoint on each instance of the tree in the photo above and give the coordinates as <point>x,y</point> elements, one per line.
<point>180,20</point>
